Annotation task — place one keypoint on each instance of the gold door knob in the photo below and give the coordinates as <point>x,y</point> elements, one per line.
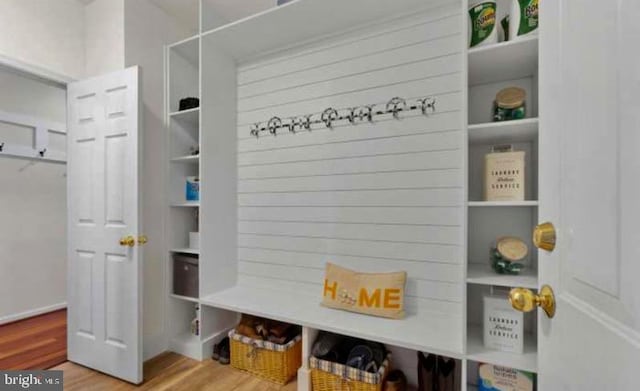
<point>142,240</point>
<point>525,300</point>
<point>128,241</point>
<point>544,236</point>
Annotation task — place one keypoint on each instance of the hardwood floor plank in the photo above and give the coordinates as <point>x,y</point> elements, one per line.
<point>34,343</point>
<point>171,372</point>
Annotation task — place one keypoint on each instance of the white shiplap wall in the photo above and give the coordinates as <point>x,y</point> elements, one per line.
<point>374,197</point>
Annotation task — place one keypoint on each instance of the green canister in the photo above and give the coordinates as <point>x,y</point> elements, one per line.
<point>510,104</point>
<point>523,19</point>
<point>482,22</point>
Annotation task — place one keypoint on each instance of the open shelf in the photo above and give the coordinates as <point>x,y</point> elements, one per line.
<point>189,204</point>
<point>188,49</point>
<point>528,361</point>
<point>433,332</point>
<point>523,130</point>
<point>189,159</point>
<point>481,204</point>
<point>185,298</point>
<point>503,61</point>
<point>483,275</point>
<point>191,116</point>
<point>186,251</point>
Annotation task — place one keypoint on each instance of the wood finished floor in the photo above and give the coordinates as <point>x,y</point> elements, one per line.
<point>35,343</point>
<point>171,371</point>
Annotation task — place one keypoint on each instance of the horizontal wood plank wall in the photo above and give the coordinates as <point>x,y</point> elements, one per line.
<point>375,197</point>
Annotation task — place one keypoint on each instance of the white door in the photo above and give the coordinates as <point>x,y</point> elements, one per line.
<point>105,271</point>
<point>590,190</point>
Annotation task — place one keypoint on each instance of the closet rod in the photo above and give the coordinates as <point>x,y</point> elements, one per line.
<point>352,115</point>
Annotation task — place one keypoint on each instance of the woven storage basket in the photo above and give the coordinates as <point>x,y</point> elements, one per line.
<point>273,362</point>
<point>330,376</point>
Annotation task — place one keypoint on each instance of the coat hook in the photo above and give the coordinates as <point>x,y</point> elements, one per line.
<point>274,124</point>
<point>1,146</point>
<point>307,122</point>
<point>396,105</point>
<point>427,103</point>
<point>43,152</point>
<point>255,130</point>
<point>328,116</point>
<point>351,116</point>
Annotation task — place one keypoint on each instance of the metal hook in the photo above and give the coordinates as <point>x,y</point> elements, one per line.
<point>307,122</point>
<point>328,116</point>
<point>42,152</point>
<point>393,106</point>
<point>273,125</point>
<point>427,103</point>
<point>292,125</point>
<point>351,116</point>
<point>255,129</point>
<point>1,146</point>
<point>366,112</point>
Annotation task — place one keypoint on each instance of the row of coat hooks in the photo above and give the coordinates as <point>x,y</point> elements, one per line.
<point>354,115</point>
<point>40,152</point>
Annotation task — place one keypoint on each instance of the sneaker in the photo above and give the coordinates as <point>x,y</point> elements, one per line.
<point>224,352</point>
<point>396,381</point>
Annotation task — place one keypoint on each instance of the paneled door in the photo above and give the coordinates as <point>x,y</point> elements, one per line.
<point>105,260</point>
<point>590,192</point>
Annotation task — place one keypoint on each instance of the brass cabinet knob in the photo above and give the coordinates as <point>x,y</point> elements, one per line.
<point>544,236</point>
<point>142,240</point>
<point>128,241</point>
<point>525,300</point>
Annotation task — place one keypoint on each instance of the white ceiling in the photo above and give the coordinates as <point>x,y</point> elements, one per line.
<point>187,11</point>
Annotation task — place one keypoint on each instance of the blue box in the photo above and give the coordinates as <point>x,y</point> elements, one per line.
<point>193,188</point>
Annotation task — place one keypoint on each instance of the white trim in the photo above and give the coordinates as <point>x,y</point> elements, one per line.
<point>31,313</point>
<point>615,326</point>
<point>36,71</point>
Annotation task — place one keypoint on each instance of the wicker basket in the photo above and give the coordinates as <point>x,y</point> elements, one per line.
<point>330,376</point>
<point>273,362</point>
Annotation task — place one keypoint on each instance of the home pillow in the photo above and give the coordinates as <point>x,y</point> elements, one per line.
<point>378,294</point>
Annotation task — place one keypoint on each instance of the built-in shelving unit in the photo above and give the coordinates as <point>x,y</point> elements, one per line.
<point>221,65</point>
<point>490,69</point>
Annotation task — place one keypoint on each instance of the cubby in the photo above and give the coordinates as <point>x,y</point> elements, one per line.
<point>396,194</point>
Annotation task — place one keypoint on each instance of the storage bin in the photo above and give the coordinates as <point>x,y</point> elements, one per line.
<point>185,275</point>
<point>267,360</point>
<point>331,376</point>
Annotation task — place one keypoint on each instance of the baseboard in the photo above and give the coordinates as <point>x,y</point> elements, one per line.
<point>154,346</point>
<point>31,313</point>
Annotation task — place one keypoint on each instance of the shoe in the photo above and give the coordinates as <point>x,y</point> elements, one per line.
<point>216,352</point>
<point>396,381</point>
<point>446,374</point>
<point>426,372</point>
<point>224,352</point>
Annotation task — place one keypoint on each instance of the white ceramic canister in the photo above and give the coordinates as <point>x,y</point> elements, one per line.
<point>482,23</point>
<point>523,20</point>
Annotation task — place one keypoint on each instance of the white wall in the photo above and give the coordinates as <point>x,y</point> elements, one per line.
<point>104,36</point>
<point>144,46</point>
<point>47,34</point>
<point>32,207</point>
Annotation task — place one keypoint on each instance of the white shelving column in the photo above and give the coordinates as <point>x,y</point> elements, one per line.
<point>183,140</point>
<point>491,68</point>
